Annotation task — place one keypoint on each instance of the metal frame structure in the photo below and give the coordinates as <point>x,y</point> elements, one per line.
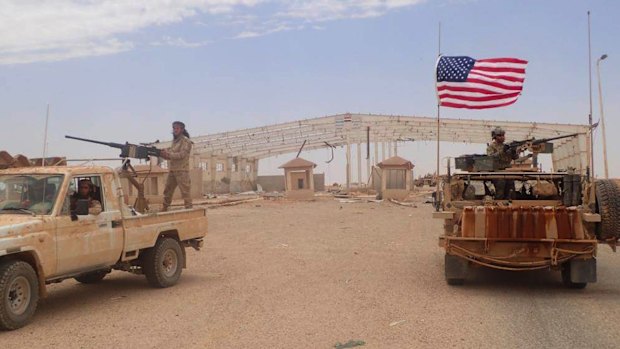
<point>345,129</point>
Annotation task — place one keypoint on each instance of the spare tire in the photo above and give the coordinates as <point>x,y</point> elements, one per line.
<point>608,205</point>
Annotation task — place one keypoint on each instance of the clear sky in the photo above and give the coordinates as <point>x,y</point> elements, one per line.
<point>123,70</point>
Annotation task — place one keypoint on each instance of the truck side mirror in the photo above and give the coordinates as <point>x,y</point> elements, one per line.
<point>81,207</point>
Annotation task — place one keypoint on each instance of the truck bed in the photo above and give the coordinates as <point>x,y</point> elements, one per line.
<point>186,224</point>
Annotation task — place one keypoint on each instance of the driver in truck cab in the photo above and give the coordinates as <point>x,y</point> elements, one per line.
<point>85,192</point>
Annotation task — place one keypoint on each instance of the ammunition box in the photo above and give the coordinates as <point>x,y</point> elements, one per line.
<point>486,163</point>
<point>476,163</point>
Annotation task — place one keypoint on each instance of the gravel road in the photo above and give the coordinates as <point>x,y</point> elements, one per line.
<point>277,274</point>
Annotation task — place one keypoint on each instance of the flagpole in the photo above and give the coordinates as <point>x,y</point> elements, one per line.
<point>437,195</point>
<point>590,114</point>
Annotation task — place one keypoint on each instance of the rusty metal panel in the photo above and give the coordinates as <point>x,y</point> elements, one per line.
<point>550,223</point>
<point>468,222</point>
<point>480,222</point>
<point>505,224</point>
<point>500,222</point>
<point>576,223</point>
<point>563,222</point>
<point>491,228</point>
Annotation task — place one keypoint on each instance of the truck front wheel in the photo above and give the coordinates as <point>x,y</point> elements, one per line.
<point>19,288</point>
<point>162,264</point>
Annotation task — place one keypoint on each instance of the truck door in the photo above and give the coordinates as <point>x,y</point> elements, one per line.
<point>91,241</point>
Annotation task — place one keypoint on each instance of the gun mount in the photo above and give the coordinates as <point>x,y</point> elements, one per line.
<point>135,151</point>
<point>482,162</point>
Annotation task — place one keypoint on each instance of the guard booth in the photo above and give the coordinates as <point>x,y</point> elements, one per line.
<point>396,178</point>
<point>299,179</point>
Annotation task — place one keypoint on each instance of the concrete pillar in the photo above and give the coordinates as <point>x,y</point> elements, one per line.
<point>368,165</point>
<point>311,178</point>
<point>287,180</point>
<point>395,148</point>
<point>382,151</point>
<point>348,167</point>
<point>376,159</point>
<point>228,169</point>
<point>254,178</point>
<point>359,165</point>
<point>212,172</point>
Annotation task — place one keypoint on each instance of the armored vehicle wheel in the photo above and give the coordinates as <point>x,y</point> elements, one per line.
<point>19,288</point>
<point>162,264</point>
<point>608,205</point>
<point>577,272</point>
<point>93,277</point>
<point>455,269</point>
<point>566,280</point>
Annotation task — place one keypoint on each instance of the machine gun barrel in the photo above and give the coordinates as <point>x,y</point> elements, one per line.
<point>128,150</point>
<point>109,144</point>
<point>534,141</point>
<point>545,140</point>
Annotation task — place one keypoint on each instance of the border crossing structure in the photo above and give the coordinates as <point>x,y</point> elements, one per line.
<point>240,150</point>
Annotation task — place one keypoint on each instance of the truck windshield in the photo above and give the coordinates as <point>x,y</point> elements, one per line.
<point>29,194</point>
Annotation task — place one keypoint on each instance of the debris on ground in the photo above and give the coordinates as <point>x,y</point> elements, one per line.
<point>247,193</point>
<point>272,195</point>
<point>350,344</point>
<point>397,323</point>
<point>402,203</point>
<point>233,202</point>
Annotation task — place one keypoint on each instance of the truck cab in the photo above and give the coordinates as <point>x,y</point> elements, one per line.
<point>47,235</point>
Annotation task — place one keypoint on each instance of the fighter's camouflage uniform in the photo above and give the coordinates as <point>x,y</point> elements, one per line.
<point>178,167</point>
<point>503,188</point>
<point>505,158</point>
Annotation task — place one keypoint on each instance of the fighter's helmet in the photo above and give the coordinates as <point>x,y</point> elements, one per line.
<point>498,131</point>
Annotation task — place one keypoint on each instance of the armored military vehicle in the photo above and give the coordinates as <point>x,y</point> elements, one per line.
<point>540,220</point>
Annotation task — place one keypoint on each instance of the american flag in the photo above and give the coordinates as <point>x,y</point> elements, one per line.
<point>464,82</point>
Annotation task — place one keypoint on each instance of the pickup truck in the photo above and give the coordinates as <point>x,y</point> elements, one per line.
<point>43,241</point>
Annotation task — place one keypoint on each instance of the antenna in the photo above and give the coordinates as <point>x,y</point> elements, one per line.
<point>47,116</point>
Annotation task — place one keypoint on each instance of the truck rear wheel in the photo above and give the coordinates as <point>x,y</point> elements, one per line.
<point>162,264</point>
<point>455,269</point>
<point>93,277</point>
<point>19,288</point>
<point>608,205</point>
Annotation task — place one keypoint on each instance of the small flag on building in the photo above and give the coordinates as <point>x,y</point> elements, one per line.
<point>464,82</point>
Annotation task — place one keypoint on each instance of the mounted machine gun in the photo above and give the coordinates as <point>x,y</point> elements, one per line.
<point>128,151</point>
<point>479,162</point>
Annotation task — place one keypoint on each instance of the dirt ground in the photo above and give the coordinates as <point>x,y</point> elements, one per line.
<point>276,274</point>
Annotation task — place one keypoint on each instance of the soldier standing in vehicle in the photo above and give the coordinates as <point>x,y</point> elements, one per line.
<point>503,188</point>
<point>499,149</point>
<point>178,165</point>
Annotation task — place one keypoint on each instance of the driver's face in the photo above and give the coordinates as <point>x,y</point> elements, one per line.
<point>500,138</point>
<point>84,189</point>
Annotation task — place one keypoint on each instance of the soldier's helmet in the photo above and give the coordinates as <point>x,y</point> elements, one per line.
<point>498,131</point>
